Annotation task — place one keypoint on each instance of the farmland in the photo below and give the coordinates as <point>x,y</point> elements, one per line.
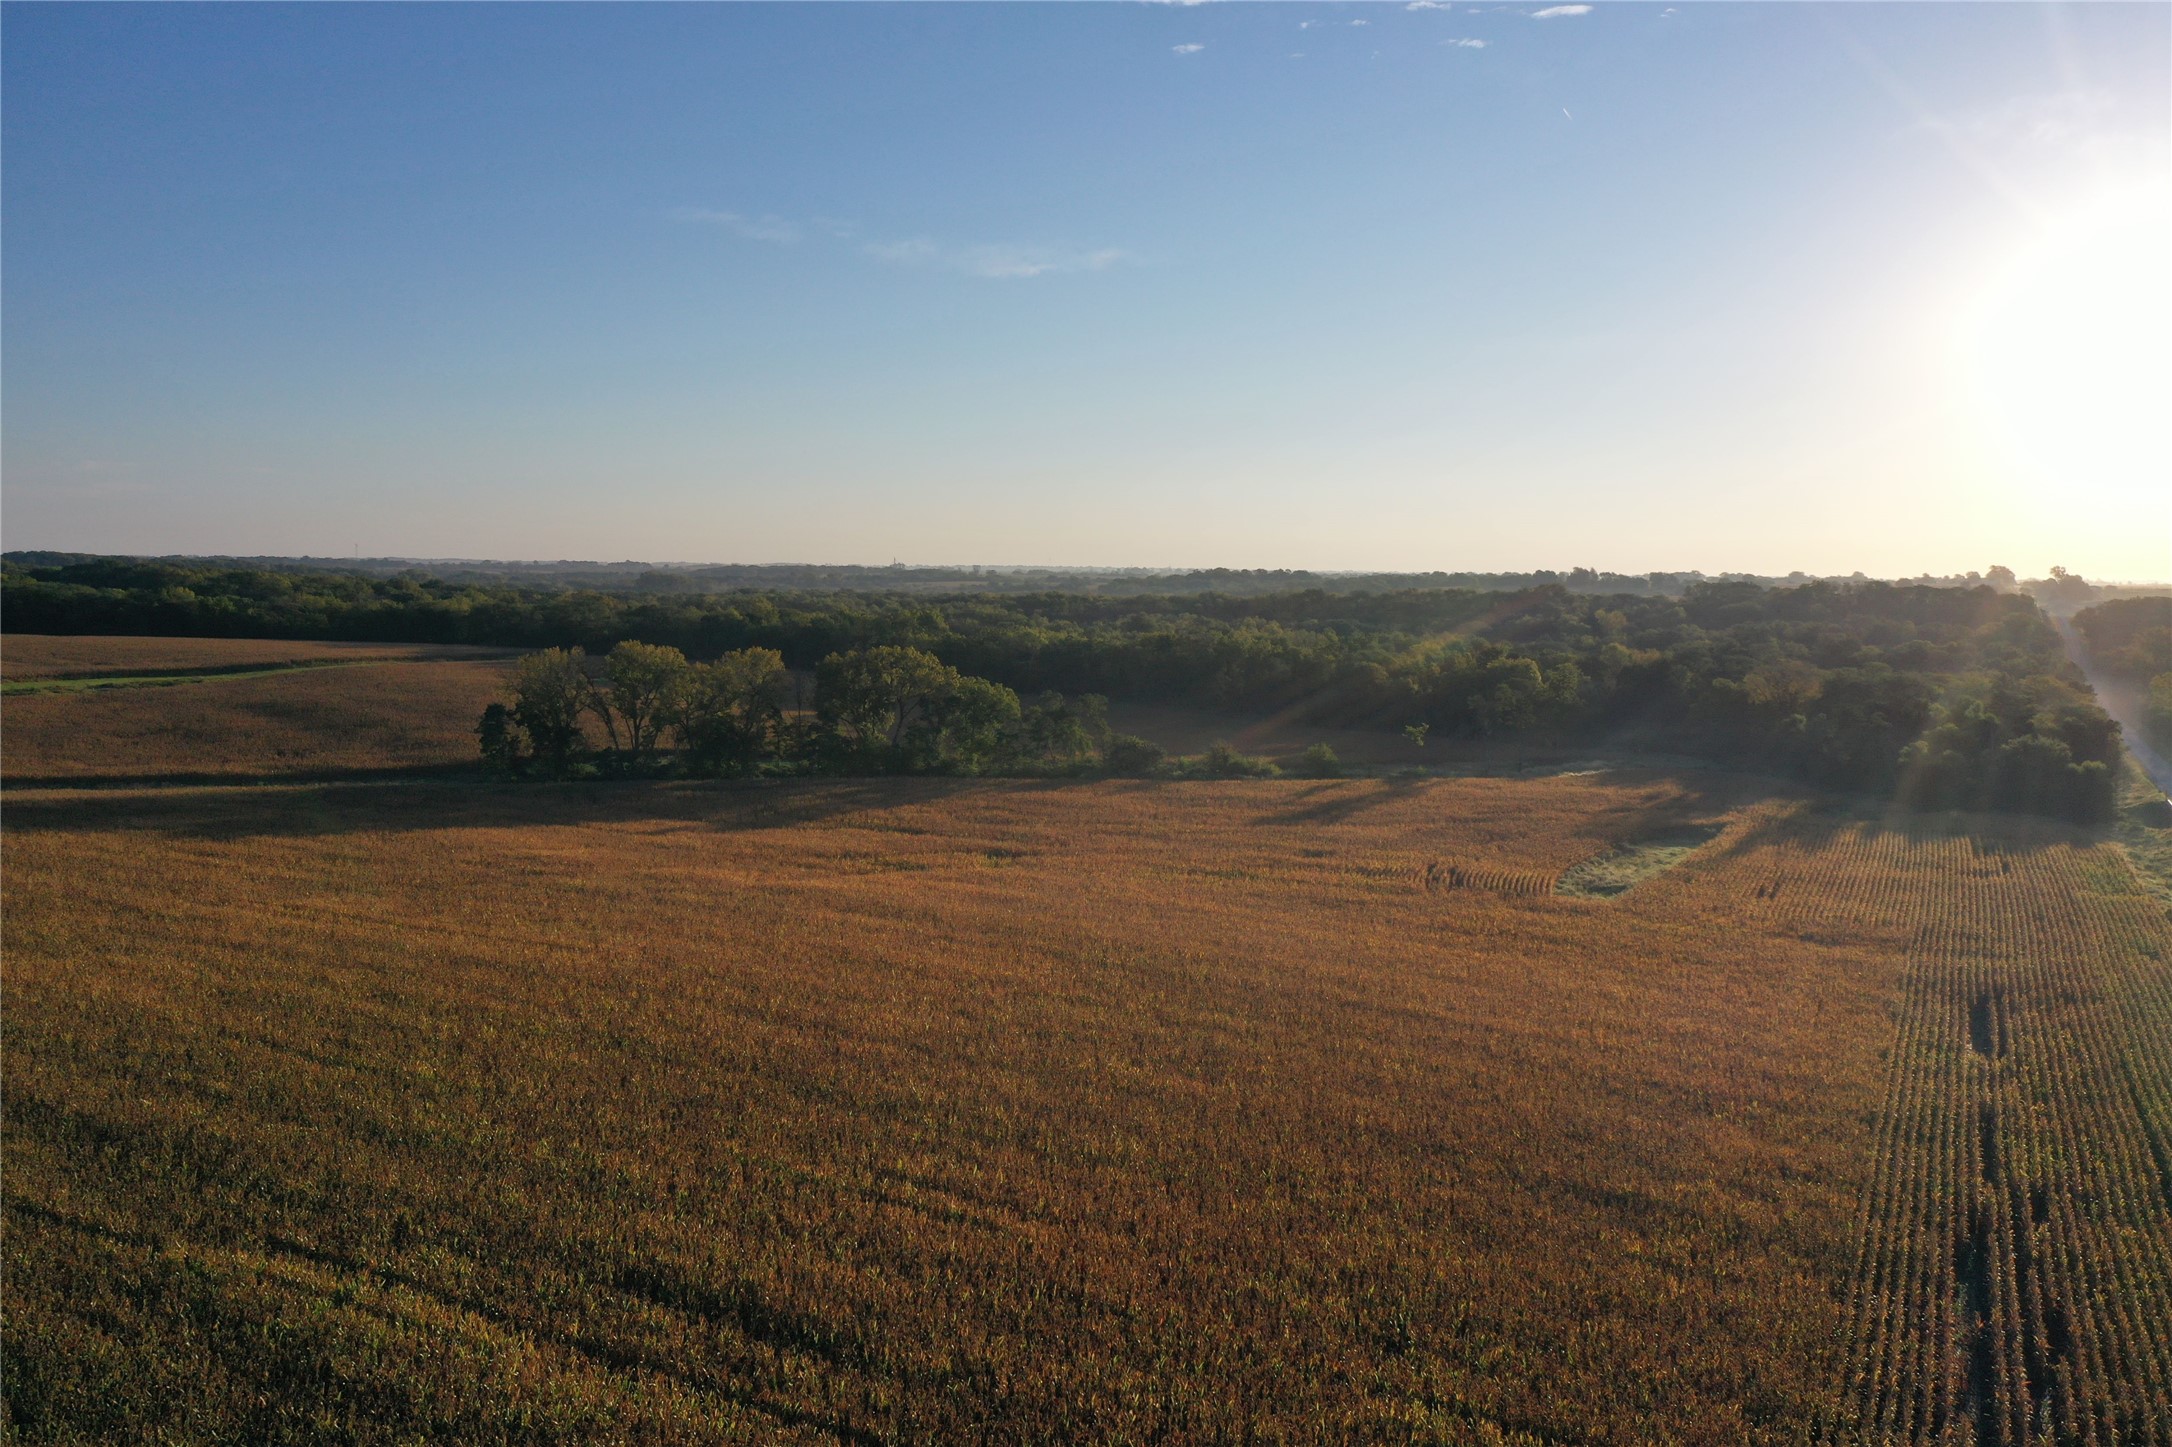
<point>369,714</point>
<point>1625,1106</point>
<point>44,656</point>
<point>1139,725</point>
<point>2016,1271</point>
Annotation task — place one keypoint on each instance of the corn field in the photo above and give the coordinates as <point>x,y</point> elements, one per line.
<point>1008,1112</point>
<point>2015,1282</point>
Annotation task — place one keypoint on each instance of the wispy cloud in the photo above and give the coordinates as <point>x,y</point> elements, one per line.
<point>753,228</point>
<point>1430,5</point>
<point>2025,145</point>
<point>996,261</point>
<point>1465,43</point>
<point>916,251</point>
<point>1557,12</point>
<point>2054,119</point>
<point>2023,141</point>
<point>1186,49</point>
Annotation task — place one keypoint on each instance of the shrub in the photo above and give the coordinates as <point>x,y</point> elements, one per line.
<point>1319,762</point>
<point>1132,757</point>
<point>1222,761</point>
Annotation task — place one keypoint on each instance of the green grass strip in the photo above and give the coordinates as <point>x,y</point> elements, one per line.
<point>168,680</point>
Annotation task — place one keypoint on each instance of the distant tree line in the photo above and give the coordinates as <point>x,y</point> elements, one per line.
<point>2131,638</point>
<point>1941,696</point>
<point>638,577</point>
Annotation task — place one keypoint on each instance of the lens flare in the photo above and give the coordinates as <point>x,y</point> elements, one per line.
<point>2068,354</point>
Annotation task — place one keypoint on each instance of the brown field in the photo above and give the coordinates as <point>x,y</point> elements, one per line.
<point>26,656</point>
<point>948,1111</point>
<point>311,721</point>
<point>924,1111</point>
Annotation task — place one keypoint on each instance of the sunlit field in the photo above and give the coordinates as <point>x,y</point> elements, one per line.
<point>923,1110</point>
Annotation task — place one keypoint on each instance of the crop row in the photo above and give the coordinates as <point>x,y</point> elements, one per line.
<point>1443,874</point>
<point>2015,1280</point>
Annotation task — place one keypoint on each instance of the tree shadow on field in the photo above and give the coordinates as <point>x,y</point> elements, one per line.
<point>1992,834</point>
<point>1700,798</point>
<point>1336,801</point>
<point>407,803</point>
<point>307,810</point>
<point>1821,822</point>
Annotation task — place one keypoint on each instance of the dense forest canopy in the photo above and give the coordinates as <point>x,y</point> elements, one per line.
<point>2131,639</point>
<point>2130,636</point>
<point>1944,696</point>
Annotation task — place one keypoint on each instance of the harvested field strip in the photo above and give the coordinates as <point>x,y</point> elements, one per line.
<point>79,683</point>
<point>2015,1283</point>
<point>30,656</point>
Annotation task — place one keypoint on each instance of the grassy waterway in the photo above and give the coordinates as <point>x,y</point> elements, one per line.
<point>88,682</point>
<point>1625,866</point>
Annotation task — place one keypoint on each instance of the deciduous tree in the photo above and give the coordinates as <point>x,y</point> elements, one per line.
<point>550,693</point>
<point>731,710</point>
<point>640,689</point>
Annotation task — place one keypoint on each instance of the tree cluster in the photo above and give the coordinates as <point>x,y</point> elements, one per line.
<point>2131,638</point>
<point>884,710</point>
<point>2037,745</point>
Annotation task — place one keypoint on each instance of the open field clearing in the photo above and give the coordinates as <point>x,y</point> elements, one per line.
<point>25,657</point>
<point>308,721</point>
<point>1283,737</point>
<point>919,1110</point>
<point>1183,730</point>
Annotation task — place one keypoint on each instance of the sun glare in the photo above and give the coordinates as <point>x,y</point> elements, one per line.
<point>2068,354</point>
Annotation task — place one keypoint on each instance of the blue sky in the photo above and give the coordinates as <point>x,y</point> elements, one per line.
<point>1339,286</point>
